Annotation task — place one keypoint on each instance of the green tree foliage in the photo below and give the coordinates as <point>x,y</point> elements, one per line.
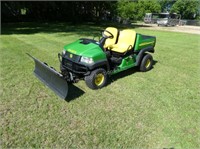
<point>68,11</point>
<point>187,8</point>
<point>126,9</point>
<point>79,11</point>
<point>147,6</point>
<point>166,5</point>
<point>136,10</point>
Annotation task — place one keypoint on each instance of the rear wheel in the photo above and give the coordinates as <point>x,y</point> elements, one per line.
<point>146,63</point>
<point>97,79</point>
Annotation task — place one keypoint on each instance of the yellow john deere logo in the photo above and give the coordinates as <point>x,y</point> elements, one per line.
<point>71,55</point>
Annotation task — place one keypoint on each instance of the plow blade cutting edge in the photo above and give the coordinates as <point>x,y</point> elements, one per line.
<point>51,78</point>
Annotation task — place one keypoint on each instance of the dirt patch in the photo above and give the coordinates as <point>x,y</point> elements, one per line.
<point>184,29</point>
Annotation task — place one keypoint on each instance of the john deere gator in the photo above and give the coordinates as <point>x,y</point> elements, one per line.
<point>94,61</point>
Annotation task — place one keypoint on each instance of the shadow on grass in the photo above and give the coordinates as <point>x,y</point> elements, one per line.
<point>84,29</point>
<point>73,93</point>
<point>122,74</point>
<point>127,73</point>
<point>154,63</point>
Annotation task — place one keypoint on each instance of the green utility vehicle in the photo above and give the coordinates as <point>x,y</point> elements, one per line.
<point>93,61</point>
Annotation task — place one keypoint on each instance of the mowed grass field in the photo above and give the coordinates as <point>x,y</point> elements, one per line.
<point>155,109</point>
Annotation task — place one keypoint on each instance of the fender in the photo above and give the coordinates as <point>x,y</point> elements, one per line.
<point>102,63</point>
<point>141,53</point>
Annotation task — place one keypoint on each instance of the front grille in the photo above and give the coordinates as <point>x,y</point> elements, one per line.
<point>74,67</point>
<point>72,57</point>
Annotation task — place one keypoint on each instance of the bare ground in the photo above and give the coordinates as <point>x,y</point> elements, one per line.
<point>184,29</point>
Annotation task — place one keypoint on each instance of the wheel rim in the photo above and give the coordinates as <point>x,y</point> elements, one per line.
<point>148,63</point>
<point>99,79</point>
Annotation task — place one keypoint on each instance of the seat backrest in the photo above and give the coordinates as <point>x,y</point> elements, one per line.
<point>111,41</point>
<point>127,37</point>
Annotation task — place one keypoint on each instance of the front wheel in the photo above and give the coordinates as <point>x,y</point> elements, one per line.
<point>97,79</point>
<point>147,62</point>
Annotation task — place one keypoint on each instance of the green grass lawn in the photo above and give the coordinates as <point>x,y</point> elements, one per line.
<point>156,109</point>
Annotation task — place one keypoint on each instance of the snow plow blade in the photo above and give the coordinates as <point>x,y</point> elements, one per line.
<point>50,77</point>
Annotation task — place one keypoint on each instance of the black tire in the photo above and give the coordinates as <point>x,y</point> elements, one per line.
<point>93,82</point>
<point>146,63</point>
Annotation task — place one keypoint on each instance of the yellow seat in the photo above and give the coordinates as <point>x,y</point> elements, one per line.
<point>125,42</point>
<point>111,41</point>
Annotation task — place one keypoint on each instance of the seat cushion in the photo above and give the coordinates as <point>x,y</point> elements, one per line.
<point>121,48</point>
<point>125,42</point>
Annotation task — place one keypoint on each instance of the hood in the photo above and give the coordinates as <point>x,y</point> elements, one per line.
<point>86,48</point>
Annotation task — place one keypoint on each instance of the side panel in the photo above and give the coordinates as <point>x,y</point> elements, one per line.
<point>144,41</point>
<point>126,63</point>
<point>138,40</point>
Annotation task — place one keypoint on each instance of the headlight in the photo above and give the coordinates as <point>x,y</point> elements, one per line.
<point>87,60</point>
<point>63,52</point>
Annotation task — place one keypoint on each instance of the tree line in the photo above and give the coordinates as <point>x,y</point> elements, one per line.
<point>135,10</point>
<point>96,11</point>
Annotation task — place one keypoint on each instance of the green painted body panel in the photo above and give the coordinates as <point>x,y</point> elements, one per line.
<point>127,63</point>
<point>91,50</point>
<point>94,51</point>
<point>142,42</point>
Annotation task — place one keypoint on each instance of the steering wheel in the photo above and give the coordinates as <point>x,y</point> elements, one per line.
<point>107,36</point>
